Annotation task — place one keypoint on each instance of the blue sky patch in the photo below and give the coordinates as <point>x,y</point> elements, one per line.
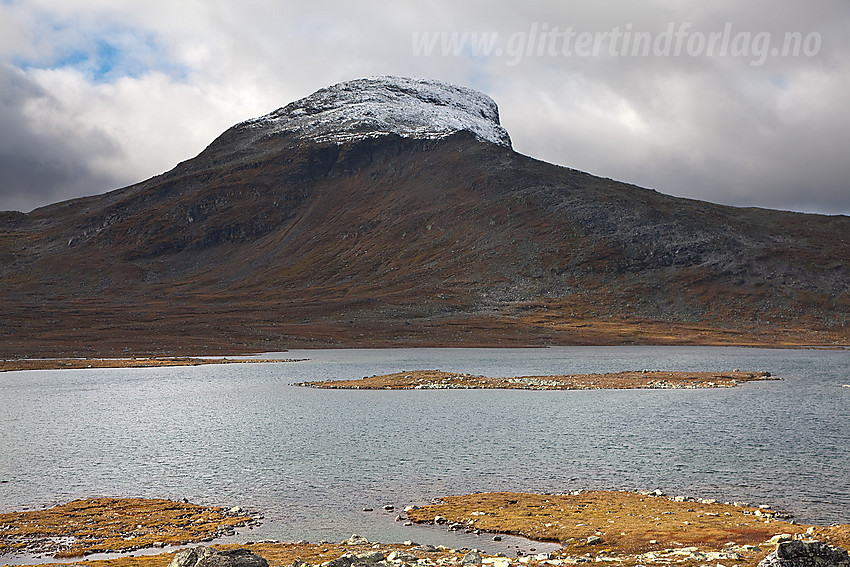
<point>106,55</point>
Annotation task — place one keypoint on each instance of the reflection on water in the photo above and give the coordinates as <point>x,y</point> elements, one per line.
<point>311,460</point>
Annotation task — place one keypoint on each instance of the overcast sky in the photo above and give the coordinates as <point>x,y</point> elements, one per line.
<point>730,101</point>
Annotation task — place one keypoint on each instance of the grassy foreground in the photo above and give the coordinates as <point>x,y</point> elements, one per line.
<point>627,528</point>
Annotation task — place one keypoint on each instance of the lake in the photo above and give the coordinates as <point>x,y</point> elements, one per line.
<point>311,460</point>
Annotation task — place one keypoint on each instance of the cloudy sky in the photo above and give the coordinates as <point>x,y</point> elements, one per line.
<point>730,101</point>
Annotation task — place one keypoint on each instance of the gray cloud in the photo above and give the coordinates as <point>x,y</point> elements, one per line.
<point>38,166</point>
<point>748,129</point>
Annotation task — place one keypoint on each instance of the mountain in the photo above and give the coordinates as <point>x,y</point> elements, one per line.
<point>393,211</point>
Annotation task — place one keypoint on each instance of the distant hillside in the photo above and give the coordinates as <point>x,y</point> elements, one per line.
<point>329,223</point>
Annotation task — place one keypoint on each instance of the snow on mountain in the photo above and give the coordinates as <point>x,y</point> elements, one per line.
<point>376,106</point>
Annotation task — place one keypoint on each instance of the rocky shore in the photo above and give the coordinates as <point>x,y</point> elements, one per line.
<point>649,379</point>
<point>75,363</point>
<point>626,528</point>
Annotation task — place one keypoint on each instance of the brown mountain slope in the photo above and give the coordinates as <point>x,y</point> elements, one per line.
<point>392,240</point>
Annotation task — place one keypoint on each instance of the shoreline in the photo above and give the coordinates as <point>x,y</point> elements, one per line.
<point>645,379</point>
<point>13,365</point>
<point>175,350</point>
<point>631,528</point>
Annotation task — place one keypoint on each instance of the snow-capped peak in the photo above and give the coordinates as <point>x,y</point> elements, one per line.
<point>376,106</point>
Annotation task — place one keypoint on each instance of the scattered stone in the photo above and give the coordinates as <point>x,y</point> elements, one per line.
<point>497,538</point>
<point>806,554</point>
<point>426,547</point>
<point>389,507</point>
<point>778,538</point>
<point>202,556</point>
<point>356,540</point>
<point>472,558</point>
<point>410,508</point>
<point>594,540</point>
<point>439,520</point>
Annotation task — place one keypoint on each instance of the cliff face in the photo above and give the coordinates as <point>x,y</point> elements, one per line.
<point>392,232</point>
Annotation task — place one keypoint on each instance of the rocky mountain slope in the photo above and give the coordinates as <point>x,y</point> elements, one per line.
<point>394,211</point>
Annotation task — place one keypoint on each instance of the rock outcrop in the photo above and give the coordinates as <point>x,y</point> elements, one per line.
<point>202,556</point>
<point>806,554</point>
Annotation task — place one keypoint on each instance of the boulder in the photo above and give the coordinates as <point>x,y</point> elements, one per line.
<point>402,556</point>
<point>202,556</point>
<point>342,561</point>
<point>811,553</point>
<point>472,558</point>
<point>369,557</point>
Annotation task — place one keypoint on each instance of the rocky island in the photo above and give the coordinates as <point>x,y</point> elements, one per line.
<point>650,379</point>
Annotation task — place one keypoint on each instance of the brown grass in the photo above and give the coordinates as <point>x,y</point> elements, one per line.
<point>628,523</point>
<point>112,524</point>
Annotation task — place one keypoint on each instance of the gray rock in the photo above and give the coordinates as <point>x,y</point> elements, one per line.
<point>343,561</point>
<point>472,558</point>
<point>806,554</point>
<point>202,556</point>
<point>593,540</point>
<point>403,556</point>
<point>369,557</point>
<point>426,547</point>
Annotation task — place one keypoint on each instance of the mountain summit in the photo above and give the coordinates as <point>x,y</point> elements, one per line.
<point>377,106</point>
<point>394,212</point>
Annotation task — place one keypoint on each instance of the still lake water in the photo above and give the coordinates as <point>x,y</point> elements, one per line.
<point>310,460</point>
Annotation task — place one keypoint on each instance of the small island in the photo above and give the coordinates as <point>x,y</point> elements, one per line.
<point>646,379</point>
